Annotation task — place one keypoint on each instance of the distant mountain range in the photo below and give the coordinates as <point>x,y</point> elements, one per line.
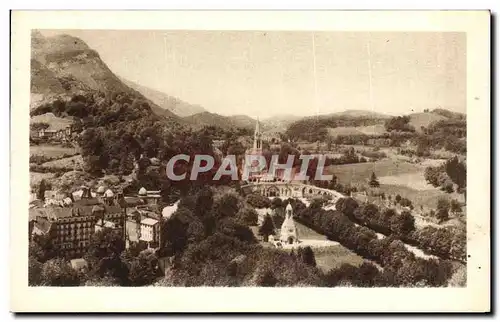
<point>63,65</point>
<point>358,114</point>
<point>165,101</point>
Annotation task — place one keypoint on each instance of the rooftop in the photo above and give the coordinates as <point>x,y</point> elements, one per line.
<point>149,221</point>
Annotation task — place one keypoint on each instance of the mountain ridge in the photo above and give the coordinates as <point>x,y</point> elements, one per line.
<point>163,100</point>
<point>63,66</point>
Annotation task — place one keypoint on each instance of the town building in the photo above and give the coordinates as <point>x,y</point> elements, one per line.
<point>60,135</point>
<point>150,232</point>
<point>149,197</point>
<point>71,227</point>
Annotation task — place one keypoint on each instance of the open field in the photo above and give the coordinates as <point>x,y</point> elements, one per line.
<point>415,180</point>
<point>36,177</point>
<point>52,151</point>
<point>307,233</point>
<point>331,257</point>
<point>426,198</point>
<point>395,177</point>
<point>359,173</point>
<point>70,162</point>
<point>54,122</point>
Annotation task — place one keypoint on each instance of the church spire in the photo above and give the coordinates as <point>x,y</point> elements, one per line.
<point>257,142</point>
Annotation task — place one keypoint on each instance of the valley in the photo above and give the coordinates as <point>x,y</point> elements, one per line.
<point>392,214</point>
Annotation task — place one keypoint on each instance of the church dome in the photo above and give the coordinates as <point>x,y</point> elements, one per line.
<point>143,191</point>
<point>100,189</point>
<point>109,194</point>
<point>288,207</point>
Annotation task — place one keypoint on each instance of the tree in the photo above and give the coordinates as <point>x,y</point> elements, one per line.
<point>307,256</point>
<point>457,172</point>
<point>258,201</point>
<point>204,202</point>
<point>143,270</point>
<point>34,271</point>
<point>347,206</point>
<point>226,206</point>
<point>58,272</point>
<point>230,227</point>
<point>455,206</point>
<point>267,279</point>
<point>126,164</point>
<point>175,232</point>
<point>103,254</point>
<point>267,227</point>
<point>42,187</point>
<point>42,248</point>
<point>276,203</point>
<point>403,224</point>
<point>443,206</point>
<point>373,180</point>
<point>248,216</point>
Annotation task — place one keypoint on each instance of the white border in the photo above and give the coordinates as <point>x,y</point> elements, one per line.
<point>473,298</point>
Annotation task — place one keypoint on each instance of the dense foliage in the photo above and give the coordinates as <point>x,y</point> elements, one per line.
<point>401,267</point>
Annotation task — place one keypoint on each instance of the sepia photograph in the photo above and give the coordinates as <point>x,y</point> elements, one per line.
<point>250,158</point>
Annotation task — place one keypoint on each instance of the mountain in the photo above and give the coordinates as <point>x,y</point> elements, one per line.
<point>358,114</point>
<point>224,122</point>
<point>63,65</point>
<point>165,101</point>
<point>279,123</point>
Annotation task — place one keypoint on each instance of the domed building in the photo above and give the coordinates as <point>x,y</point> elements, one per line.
<point>288,233</point>
<point>109,194</point>
<point>100,190</point>
<point>143,192</point>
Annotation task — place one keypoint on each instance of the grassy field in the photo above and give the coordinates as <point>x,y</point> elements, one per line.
<point>395,177</point>
<point>415,180</point>
<point>55,123</point>
<point>333,257</point>
<point>307,233</point>
<point>66,162</point>
<point>359,173</point>
<point>36,177</point>
<point>52,151</point>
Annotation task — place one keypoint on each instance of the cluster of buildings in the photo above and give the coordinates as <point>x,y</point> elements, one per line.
<point>60,135</point>
<point>71,222</point>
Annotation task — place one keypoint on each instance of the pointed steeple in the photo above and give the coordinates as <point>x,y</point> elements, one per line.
<point>257,143</point>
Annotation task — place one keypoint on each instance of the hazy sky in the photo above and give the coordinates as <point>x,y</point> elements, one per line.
<point>302,73</point>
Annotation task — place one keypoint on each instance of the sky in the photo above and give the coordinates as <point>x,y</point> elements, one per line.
<point>262,74</point>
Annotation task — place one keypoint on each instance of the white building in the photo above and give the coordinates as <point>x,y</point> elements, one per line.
<point>149,230</point>
<point>288,233</point>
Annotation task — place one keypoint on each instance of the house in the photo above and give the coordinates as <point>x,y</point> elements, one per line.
<point>150,231</point>
<point>71,227</point>
<point>149,197</point>
<point>46,133</point>
<point>59,134</point>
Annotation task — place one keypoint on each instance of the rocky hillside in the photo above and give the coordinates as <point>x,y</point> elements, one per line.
<point>63,65</point>
<point>165,101</point>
